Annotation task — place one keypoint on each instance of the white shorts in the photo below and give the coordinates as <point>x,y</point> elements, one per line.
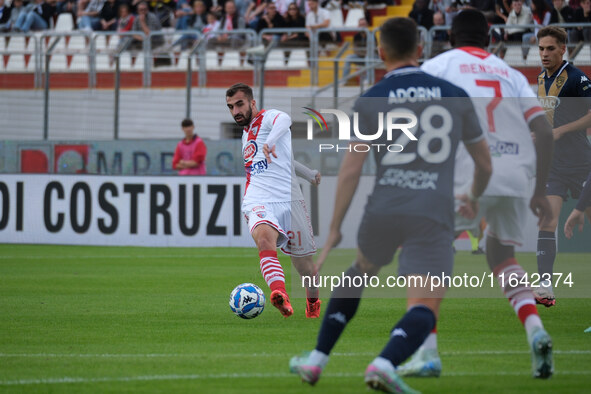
<point>505,217</point>
<point>291,219</point>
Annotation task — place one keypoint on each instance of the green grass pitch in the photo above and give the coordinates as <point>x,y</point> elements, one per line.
<point>156,320</point>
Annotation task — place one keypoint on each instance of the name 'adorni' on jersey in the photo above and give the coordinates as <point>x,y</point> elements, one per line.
<point>414,94</point>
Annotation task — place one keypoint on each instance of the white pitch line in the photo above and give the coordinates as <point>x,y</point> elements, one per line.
<point>144,378</point>
<point>151,256</point>
<point>234,355</point>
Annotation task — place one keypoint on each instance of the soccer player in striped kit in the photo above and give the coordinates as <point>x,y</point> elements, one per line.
<point>273,204</point>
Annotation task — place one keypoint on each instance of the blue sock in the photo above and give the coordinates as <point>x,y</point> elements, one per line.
<point>410,332</point>
<point>546,252</point>
<point>341,309</point>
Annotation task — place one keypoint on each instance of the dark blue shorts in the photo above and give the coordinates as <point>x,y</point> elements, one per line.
<point>426,244</point>
<point>559,184</point>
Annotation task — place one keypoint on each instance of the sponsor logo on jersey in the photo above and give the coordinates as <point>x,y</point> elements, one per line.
<point>257,168</point>
<point>258,208</point>
<point>250,151</point>
<point>550,102</point>
<point>409,179</point>
<point>583,79</point>
<point>504,148</point>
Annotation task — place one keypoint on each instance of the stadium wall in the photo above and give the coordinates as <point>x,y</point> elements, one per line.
<point>157,211</point>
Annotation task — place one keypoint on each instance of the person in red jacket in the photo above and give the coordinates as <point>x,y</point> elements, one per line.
<point>189,156</point>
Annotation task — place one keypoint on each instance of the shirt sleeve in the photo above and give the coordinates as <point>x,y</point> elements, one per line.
<point>199,153</point>
<point>280,126</point>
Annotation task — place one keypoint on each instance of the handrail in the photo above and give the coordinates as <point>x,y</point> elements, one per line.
<point>197,47</point>
<point>35,53</point>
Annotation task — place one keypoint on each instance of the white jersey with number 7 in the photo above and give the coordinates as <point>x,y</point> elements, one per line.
<point>505,104</point>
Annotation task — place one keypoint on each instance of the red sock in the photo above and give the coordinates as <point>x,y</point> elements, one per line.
<point>509,275</point>
<point>271,270</point>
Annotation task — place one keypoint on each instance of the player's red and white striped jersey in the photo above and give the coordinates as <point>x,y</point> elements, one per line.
<point>268,182</point>
<point>505,104</point>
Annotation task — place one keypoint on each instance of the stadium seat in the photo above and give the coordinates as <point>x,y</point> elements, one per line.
<point>353,17</point>
<point>231,60</point>
<point>17,63</point>
<point>58,63</point>
<point>275,60</point>
<point>298,59</point>
<point>79,63</point>
<point>103,63</point>
<point>65,22</point>
<point>336,18</point>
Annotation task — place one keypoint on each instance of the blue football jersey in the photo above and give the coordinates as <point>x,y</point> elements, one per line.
<point>415,175</point>
<point>567,96</point>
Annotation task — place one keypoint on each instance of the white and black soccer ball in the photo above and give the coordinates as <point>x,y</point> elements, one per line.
<point>247,301</point>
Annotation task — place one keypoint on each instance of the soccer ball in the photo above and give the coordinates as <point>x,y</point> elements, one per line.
<point>247,301</point>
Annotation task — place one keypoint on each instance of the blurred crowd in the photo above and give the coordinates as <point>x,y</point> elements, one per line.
<point>209,16</point>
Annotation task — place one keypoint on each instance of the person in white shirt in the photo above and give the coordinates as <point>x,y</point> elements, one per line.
<point>317,18</point>
<point>273,204</point>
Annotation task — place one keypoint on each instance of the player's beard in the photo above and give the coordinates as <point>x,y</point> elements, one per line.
<point>245,118</point>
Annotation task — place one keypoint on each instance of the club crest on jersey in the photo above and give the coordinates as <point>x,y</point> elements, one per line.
<point>255,130</point>
<point>262,214</point>
<point>250,151</point>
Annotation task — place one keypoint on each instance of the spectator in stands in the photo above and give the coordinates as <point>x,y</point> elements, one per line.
<point>126,18</point>
<point>359,49</point>
<point>293,19</point>
<point>108,15</point>
<point>562,13</point>
<point>449,8</point>
<point>282,6</point>
<point>253,13</point>
<point>213,25</point>
<point>164,11</point>
<point>422,14</point>
<point>4,16</point>
<point>216,6</point>
<point>146,22</point>
<point>190,153</point>
<point>69,7</point>
<point>487,7</point>
<point>199,18</point>
<point>198,21</point>
<point>440,37</point>
<point>271,19</point>
<point>16,8</point>
<point>582,15</point>
<point>229,21</point>
<point>38,18</point>
<point>318,18</point>
<point>89,18</point>
<point>183,14</point>
<point>541,16</point>
<point>574,4</point>
<point>520,15</point>
<point>502,11</point>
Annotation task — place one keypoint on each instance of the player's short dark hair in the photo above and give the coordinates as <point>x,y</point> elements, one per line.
<point>553,31</point>
<point>469,27</point>
<point>240,87</point>
<point>187,123</point>
<point>399,38</point>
